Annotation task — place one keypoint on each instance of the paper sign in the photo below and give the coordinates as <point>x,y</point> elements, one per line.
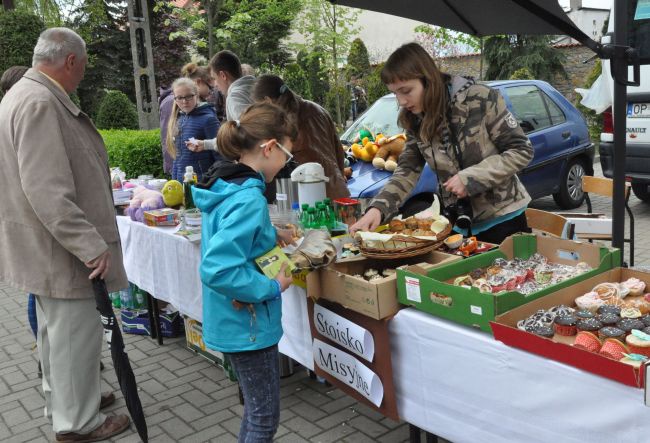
<point>476,310</point>
<point>343,332</point>
<point>413,289</point>
<point>348,370</point>
<point>281,197</point>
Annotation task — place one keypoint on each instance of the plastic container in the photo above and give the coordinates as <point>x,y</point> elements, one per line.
<point>348,210</point>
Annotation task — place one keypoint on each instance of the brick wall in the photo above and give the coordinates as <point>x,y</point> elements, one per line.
<point>575,56</point>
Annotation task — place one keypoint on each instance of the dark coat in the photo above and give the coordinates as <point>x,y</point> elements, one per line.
<point>200,123</point>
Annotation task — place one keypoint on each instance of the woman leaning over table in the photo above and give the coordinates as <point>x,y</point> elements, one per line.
<point>467,135</point>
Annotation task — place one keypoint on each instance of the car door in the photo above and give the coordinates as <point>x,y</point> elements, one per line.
<point>549,131</point>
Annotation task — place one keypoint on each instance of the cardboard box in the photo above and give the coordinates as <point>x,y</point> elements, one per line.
<point>194,342</point>
<point>429,291</point>
<point>161,217</point>
<point>376,299</point>
<point>505,330</point>
<point>137,322</point>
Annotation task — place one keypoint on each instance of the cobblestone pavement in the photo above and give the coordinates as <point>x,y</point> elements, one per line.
<point>187,399</point>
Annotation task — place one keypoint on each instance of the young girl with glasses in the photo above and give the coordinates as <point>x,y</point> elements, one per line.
<point>241,306</point>
<point>190,119</point>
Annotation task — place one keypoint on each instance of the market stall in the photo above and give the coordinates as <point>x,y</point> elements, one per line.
<point>451,380</point>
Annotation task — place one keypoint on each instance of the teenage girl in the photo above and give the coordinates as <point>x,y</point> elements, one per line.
<point>190,119</point>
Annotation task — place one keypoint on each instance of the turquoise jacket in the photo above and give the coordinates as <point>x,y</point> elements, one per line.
<point>236,229</point>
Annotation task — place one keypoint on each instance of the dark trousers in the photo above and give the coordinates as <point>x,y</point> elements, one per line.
<point>259,379</point>
<point>496,234</point>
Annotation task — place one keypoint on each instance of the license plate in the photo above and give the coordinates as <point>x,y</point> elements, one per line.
<point>638,110</point>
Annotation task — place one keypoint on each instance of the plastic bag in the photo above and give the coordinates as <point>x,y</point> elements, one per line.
<point>316,251</point>
<point>598,97</point>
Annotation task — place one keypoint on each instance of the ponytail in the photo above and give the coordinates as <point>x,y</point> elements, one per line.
<point>261,121</point>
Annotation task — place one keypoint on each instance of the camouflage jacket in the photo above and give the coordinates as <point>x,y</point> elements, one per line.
<point>493,146</point>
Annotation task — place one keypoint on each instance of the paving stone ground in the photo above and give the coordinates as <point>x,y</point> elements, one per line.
<point>188,399</point>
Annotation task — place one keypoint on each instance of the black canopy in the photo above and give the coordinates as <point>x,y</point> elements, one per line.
<point>482,17</point>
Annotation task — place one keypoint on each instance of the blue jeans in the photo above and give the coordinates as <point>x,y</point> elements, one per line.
<point>259,378</point>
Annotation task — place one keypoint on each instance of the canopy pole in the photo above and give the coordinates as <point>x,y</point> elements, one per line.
<point>619,63</point>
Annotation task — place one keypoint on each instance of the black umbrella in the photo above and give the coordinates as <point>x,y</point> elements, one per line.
<point>120,359</point>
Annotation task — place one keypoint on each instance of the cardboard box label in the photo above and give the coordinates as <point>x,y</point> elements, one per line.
<point>413,289</point>
<point>476,310</point>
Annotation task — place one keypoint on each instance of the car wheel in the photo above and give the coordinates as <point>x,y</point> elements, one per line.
<point>571,195</point>
<point>641,190</point>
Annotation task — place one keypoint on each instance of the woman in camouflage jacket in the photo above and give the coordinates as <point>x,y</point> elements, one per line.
<point>466,134</point>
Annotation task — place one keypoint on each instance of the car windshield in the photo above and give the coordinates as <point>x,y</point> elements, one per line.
<point>380,118</point>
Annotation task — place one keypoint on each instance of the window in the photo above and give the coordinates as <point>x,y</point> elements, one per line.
<point>381,117</point>
<point>533,108</point>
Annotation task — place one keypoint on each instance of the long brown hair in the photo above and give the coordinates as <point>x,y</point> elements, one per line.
<point>261,121</point>
<point>172,130</point>
<point>273,87</point>
<point>194,71</point>
<point>411,61</point>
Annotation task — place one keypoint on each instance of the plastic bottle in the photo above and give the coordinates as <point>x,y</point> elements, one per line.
<point>295,213</point>
<point>331,215</point>
<point>321,216</point>
<point>304,214</point>
<point>312,222</point>
<point>189,179</point>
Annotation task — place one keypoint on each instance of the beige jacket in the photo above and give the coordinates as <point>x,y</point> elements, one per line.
<point>56,204</point>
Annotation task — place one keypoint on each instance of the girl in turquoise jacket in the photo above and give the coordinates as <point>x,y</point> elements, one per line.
<point>241,306</point>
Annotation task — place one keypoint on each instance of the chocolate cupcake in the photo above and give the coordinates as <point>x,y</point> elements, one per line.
<point>627,324</point>
<point>584,314</point>
<point>565,325</point>
<point>608,319</point>
<point>477,273</point>
<point>589,324</point>
<point>646,330</point>
<point>611,332</point>
<point>646,319</point>
<point>610,309</point>
<point>544,331</point>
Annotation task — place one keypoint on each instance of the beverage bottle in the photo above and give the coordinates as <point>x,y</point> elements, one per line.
<point>295,213</point>
<point>321,216</point>
<point>331,215</point>
<point>312,222</point>
<point>115,299</point>
<point>304,215</point>
<point>126,299</point>
<point>189,179</point>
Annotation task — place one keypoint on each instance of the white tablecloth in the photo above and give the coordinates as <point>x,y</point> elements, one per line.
<point>167,266</point>
<point>451,380</point>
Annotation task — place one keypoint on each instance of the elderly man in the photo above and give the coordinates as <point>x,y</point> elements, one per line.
<point>58,231</point>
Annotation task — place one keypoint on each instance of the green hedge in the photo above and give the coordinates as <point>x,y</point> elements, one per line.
<point>116,111</point>
<point>19,31</point>
<point>134,152</point>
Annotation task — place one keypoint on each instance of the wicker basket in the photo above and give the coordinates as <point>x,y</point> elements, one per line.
<point>404,246</point>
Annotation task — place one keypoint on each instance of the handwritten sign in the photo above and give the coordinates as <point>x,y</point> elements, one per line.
<point>344,332</point>
<point>347,369</point>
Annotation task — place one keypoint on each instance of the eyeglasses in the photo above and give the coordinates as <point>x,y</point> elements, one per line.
<point>185,98</point>
<point>288,154</point>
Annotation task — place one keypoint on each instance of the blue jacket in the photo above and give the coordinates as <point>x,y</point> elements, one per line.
<point>200,123</point>
<point>236,229</point>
